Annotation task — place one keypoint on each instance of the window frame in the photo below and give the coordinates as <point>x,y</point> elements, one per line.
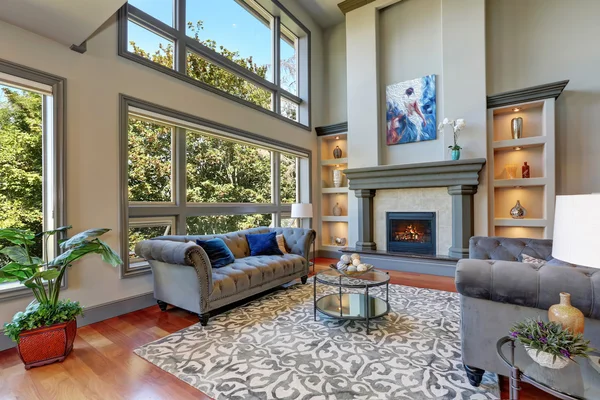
<point>184,43</point>
<point>181,209</point>
<point>57,163</point>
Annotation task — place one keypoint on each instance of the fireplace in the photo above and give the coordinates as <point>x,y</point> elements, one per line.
<point>411,232</point>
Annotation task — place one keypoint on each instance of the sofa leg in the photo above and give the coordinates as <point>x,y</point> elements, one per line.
<point>204,319</point>
<point>303,279</point>
<point>474,374</point>
<point>162,305</point>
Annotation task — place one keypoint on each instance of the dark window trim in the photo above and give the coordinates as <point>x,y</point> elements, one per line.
<point>181,44</point>
<point>58,85</point>
<point>181,209</point>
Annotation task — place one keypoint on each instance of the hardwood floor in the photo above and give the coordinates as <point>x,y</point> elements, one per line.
<point>102,365</point>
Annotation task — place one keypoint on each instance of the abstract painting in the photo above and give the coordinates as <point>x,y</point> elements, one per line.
<point>411,109</point>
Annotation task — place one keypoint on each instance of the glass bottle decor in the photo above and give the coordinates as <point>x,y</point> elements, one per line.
<point>337,152</point>
<point>337,210</point>
<point>518,211</point>
<point>526,172</point>
<point>511,171</point>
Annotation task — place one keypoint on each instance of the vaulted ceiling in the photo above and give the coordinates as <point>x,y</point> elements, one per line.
<point>65,21</point>
<point>325,12</point>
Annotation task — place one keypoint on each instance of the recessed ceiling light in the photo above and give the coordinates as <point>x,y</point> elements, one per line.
<point>337,138</point>
<point>518,148</point>
<point>516,109</point>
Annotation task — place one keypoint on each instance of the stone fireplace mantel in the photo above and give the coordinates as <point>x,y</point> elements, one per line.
<point>460,177</point>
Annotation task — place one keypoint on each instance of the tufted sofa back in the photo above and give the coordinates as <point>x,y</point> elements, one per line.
<point>508,249</point>
<point>295,239</point>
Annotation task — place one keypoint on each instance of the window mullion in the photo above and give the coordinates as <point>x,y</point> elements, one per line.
<point>228,64</point>
<point>180,161</point>
<point>276,178</point>
<point>180,47</point>
<point>276,53</point>
<point>292,97</point>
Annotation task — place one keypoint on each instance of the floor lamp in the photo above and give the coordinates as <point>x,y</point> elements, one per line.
<point>300,211</point>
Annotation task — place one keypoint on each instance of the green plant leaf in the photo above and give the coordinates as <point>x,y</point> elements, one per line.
<point>17,236</point>
<point>73,254</point>
<point>49,274</point>
<point>83,237</point>
<point>109,256</point>
<point>54,231</point>
<point>19,255</point>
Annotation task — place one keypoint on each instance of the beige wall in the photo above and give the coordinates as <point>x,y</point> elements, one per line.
<point>334,58</point>
<point>94,81</point>
<point>541,41</point>
<point>410,40</point>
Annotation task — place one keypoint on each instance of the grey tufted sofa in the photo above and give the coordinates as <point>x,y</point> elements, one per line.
<point>496,291</point>
<point>183,275</point>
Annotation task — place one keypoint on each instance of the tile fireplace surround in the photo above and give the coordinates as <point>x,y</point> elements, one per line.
<point>461,178</point>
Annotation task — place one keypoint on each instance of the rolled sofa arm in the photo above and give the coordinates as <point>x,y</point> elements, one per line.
<point>528,285</point>
<point>180,253</point>
<point>298,240</point>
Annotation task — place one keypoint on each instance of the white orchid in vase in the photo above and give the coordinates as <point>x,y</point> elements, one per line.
<point>457,125</point>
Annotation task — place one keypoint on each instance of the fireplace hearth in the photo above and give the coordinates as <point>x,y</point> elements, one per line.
<point>411,232</point>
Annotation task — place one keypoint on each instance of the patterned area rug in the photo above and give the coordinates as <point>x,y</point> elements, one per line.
<point>272,348</point>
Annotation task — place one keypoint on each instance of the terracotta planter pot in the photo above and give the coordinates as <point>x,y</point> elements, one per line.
<point>46,345</point>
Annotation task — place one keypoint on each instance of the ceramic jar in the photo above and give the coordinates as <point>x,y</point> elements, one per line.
<point>455,155</point>
<point>337,210</point>
<point>337,152</point>
<point>565,314</point>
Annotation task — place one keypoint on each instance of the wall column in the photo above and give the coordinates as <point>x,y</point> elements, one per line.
<point>365,219</point>
<point>463,219</point>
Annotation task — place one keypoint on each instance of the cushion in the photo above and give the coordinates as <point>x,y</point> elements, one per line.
<point>538,262</point>
<point>263,244</point>
<point>217,251</point>
<point>281,244</point>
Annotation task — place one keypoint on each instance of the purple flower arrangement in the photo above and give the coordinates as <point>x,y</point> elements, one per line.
<point>550,337</point>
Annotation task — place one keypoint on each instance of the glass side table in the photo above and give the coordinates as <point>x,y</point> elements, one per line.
<point>352,306</point>
<point>577,381</point>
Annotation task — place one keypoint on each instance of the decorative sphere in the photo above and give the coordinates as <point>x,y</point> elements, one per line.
<point>356,262</point>
<point>362,268</point>
<point>351,268</point>
<point>355,256</point>
<point>341,265</point>
<point>346,259</point>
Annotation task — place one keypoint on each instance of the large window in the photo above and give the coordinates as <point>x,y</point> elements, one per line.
<point>251,51</point>
<point>183,175</point>
<point>31,190</point>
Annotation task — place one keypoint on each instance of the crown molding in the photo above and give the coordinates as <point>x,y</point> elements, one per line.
<point>533,93</point>
<point>348,5</point>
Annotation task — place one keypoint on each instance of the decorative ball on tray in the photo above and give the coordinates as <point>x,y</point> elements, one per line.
<point>351,265</point>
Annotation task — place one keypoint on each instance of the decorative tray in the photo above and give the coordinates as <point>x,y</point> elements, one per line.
<point>352,274</point>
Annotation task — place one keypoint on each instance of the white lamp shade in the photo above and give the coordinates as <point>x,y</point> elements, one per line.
<point>302,210</point>
<point>577,230</point>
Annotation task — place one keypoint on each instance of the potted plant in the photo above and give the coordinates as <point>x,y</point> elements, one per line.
<point>548,344</point>
<point>45,331</point>
<point>457,126</point>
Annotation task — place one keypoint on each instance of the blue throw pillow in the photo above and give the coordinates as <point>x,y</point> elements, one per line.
<point>217,251</point>
<point>263,244</point>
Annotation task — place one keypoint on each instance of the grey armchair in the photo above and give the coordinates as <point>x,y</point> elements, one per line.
<point>496,291</point>
<point>184,277</point>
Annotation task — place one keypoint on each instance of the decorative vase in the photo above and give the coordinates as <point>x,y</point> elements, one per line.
<point>565,314</point>
<point>511,171</point>
<point>337,210</point>
<point>516,127</point>
<point>46,345</point>
<point>337,152</point>
<point>455,155</point>
<point>518,211</point>
<point>337,178</point>
<point>546,359</point>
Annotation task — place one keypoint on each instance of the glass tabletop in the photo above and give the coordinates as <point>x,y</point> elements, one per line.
<point>334,278</point>
<point>580,379</point>
<point>352,306</point>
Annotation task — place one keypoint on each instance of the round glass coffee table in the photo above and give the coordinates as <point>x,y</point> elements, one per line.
<point>577,381</point>
<point>352,306</point>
